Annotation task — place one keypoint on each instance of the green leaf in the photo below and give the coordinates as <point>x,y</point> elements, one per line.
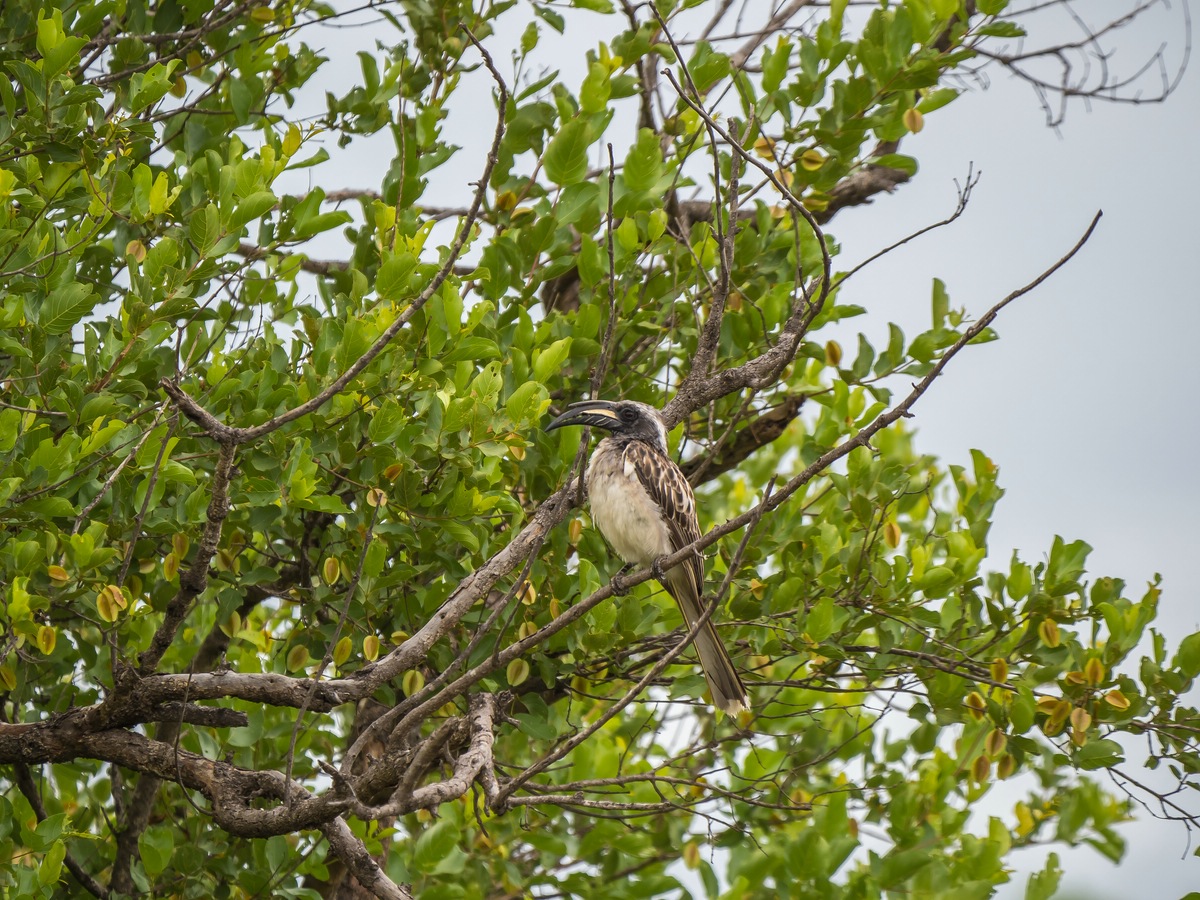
<point>327,221</point>
<point>1002,29</point>
<point>392,281</point>
<point>644,164</point>
<point>387,423</point>
<point>526,403</point>
<point>1187,658</point>
<point>905,164</point>
<point>549,362</point>
<point>819,622</point>
<point>50,868</point>
<point>250,208</point>
<point>596,89</point>
<point>1044,884</point>
<point>205,228</point>
<point>433,845</point>
<point>566,159</point>
<point>1100,753</point>
<point>66,306</point>
<point>580,205</point>
<point>156,845</point>
<point>941,303</point>
<point>775,64</point>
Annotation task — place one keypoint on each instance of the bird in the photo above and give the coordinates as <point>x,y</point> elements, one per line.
<point>643,505</point>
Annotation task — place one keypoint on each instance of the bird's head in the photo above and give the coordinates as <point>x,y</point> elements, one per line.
<point>626,418</point>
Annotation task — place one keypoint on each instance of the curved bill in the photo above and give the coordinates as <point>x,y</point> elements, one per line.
<point>595,413</point>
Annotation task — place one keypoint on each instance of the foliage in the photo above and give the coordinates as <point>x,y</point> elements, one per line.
<point>284,543</point>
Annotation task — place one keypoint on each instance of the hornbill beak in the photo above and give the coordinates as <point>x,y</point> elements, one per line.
<point>594,413</point>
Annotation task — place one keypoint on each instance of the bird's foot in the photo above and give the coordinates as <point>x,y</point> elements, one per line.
<point>657,569</point>
<point>617,582</point>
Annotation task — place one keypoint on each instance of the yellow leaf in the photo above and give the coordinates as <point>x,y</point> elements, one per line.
<point>981,768</point>
<point>575,530</point>
<point>1025,821</point>
<point>1047,705</point>
<point>997,740</point>
<point>1117,700</point>
<point>1062,709</point>
<point>47,637</point>
<point>812,160</point>
<point>527,593</point>
<point>105,607</point>
<point>233,624</point>
<point>517,672</point>
<point>291,141</point>
<point>262,14</point>
<point>1048,632</point>
<point>412,682</point>
<point>892,534</point>
<point>976,704</point>
<point>370,648</point>
<point>297,658</point>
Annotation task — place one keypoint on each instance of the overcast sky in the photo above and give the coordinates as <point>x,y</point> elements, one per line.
<point>1087,403</point>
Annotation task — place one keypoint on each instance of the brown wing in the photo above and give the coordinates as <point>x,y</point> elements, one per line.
<point>669,488</point>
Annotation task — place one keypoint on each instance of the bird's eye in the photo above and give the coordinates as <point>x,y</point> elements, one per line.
<point>628,414</point>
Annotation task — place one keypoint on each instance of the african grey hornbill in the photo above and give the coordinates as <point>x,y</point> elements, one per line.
<point>644,507</point>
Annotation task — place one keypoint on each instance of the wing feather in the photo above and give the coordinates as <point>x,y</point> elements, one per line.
<point>668,487</point>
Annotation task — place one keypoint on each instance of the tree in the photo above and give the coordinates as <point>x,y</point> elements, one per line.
<point>300,601</point>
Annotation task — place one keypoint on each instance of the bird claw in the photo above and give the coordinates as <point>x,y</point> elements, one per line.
<point>617,582</point>
<point>657,569</point>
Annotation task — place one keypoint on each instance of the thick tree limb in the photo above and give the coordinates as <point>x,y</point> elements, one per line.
<point>351,851</point>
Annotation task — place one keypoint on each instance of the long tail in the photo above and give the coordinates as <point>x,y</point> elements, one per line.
<point>728,692</point>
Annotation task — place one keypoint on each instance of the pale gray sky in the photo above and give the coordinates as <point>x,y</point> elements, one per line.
<point>1084,402</point>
